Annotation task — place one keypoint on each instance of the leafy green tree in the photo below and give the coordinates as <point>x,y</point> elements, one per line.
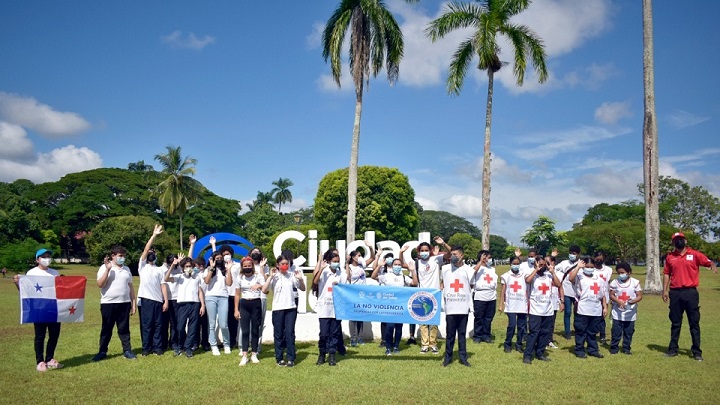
<point>263,199</point>
<point>19,255</point>
<point>604,212</point>
<point>281,193</point>
<point>470,245</point>
<point>259,224</point>
<point>177,191</point>
<point>376,41</point>
<point>488,19</point>
<point>445,224</point>
<point>132,232</point>
<point>140,166</point>
<point>385,201</point>
<point>542,235</point>
<point>498,247</point>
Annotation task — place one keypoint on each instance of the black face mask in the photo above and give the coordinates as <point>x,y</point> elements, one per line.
<point>247,271</point>
<point>256,256</point>
<point>598,262</point>
<point>680,243</point>
<point>151,257</point>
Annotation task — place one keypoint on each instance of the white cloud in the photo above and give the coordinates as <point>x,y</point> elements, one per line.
<point>52,165</point>
<point>681,119</point>
<point>326,82</point>
<point>549,144</point>
<point>189,41</point>
<point>41,118</point>
<point>314,38</point>
<point>611,113</point>
<point>15,143</point>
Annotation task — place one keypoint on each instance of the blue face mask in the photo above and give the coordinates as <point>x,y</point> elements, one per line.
<point>623,276</point>
<point>120,261</point>
<point>572,257</point>
<point>196,270</point>
<point>531,261</point>
<point>334,265</point>
<point>489,262</point>
<point>397,270</point>
<point>588,271</point>
<point>388,261</point>
<point>424,255</point>
<point>515,268</point>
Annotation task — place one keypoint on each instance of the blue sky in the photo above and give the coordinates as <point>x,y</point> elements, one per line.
<point>242,87</point>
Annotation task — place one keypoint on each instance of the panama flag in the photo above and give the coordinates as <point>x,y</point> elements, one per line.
<point>52,299</point>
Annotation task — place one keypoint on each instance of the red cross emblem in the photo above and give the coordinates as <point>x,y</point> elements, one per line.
<point>543,287</point>
<point>457,285</point>
<point>623,296</point>
<point>488,278</point>
<point>515,286</point>
<point>595,288</point>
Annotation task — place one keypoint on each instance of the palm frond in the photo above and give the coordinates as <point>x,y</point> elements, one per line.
<point>459,66</point>
<point>455,16</point>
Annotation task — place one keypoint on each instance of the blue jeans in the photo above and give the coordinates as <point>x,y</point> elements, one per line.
<point>569,307</point>
<point>519,322</point>
<point>217,307</point>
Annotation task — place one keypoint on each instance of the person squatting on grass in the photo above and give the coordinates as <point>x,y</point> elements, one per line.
<point>514,302</point>
<point>625,293</point>
<point>284,308</point>
<point>117,302</point>
<point>395,278</point>
<point>44,356</point>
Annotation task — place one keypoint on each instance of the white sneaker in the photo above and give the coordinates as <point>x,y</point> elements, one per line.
<point>243,361</point>
<point>227,350</point>
<point>254,358</point>
<point>215,351</point>
<point>552,345</point>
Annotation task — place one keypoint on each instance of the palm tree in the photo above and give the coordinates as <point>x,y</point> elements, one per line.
<point>653,282</point>
<point>178,191</point>
<point>281,193</point>
<point>261,199</point>
<point>488,19</point>
<point>375,40</point>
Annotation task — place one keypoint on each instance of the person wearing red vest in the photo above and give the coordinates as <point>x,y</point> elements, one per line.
<point>680,281</point>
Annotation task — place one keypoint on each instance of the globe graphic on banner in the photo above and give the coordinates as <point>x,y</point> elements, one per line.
<point>422,306</point>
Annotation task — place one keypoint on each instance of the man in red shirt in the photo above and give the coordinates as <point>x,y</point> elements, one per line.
<point>680,281</point>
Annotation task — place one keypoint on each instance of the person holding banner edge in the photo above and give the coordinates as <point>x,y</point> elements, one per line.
<point>46,360</point>
<point>396,278</point>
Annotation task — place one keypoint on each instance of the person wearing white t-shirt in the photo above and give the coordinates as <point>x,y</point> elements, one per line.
<point>202,335</point>
<point>327,275</point>
<point>355,269</point>
<point>234,269</point>
<point>540,282</point>
<point>528,266</point>
<point>604,272</point>
<point>556,297</point>
<point>190,302</point>
<point>282,282</point>
<point>153,298</point>
<point>564,268</point>
<point>428,266</point>
<point>625,293</point>
<point>217,279</point>
<point>457,289</point>
<point>117,302</point>
<point>248,306</point>
<point>394,278</point>
<point>514,302</point>
<point>44,356</point>
<point>168,332</point>
<point>591,308</point>
<point>261,269</point>
<point>484,298</point>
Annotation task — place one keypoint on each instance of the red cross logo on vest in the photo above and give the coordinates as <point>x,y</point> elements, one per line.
<point>457,285</point>
<point>515,286</point>
<point>488,278</point>
<point>544,288</point>
<point>623,296</point>
<point>595,288</point>
<point>330,289</point>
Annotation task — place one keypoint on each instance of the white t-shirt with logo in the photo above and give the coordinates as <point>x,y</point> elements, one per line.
<point>151,280</point>
<point>516,299</point>
<point>457,289</point>
<point>561,270</point>
<point>541,295</point>
<point>396,280</point>
<point>282,285</point>
<point>357,275</point>
<point>589,291</point>
<point>428,271</point>
<point>187,288</point>
<point>246,283</point>
<point>485,281</point>
<point>328,279</point>
<point>555,296</point>
<point>625,291</point>
<point>117,286</point>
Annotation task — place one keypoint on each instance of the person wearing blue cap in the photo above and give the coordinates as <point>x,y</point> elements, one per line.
<point>46,360</point>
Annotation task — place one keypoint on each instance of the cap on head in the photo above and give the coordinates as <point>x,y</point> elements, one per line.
<point>42,252</point>
<point>678,235</point>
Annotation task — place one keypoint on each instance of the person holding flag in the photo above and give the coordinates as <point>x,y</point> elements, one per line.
<point>44,360</point>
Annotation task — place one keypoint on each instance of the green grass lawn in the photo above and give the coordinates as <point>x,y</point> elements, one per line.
<point>365,374</point>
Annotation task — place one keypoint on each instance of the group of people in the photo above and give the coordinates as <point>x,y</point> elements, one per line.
<point>183,300</point>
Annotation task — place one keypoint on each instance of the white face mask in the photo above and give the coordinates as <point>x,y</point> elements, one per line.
<point>227,258</point>
<point>45,261</point>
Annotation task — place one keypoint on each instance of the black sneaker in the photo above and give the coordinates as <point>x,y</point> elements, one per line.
<point>290,364</point>
<point>671,354</point>
<point>145,354</point>
<point>465,363</point>
<point>100,356</point>
<point>581,355</point>
<point>158,352</point>
<point>130,355</point>
<point>508,349</point>
<point>628,352</point>
<point>281,363</point>
<point>698,357</point>
<point>446,362</point>
<point>189,353</point>
<point>412,341</point>
<point>543,358</point>
<point>518,348</point>
<point>527,360</point>
<point>176,352</point>
<point>566,336</point>
<point>613,352</point>
<point>320,360</point>
<point>598,355</point>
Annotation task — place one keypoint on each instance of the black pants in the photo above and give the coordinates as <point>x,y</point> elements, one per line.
<point>586,327</point>
<point>232,322</point>
<point>284,332</point>
<point>115,314</point>
<point>168,332</point>
<point>328,343</point>
<point>150,325</point>
<point>188,314</point>
<point>539,336</point>
<point>412,330</point>
<point>383,325</point>
<point>601,328</point>
<point>393,334</point>
<point>684,300</point>
<point>484,314</point>
<point>250,316</point>
<point>53,332</point>
<point>519,322</point>
<point>340,339</point>
<point>202,335</point>
<point>455,325</point>
<point>624,330</point>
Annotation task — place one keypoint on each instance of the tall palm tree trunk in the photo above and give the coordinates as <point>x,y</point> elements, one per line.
<point>486,167</point>
<point>181,234</point>
<point>352,172</point>
<point>653,282</point>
